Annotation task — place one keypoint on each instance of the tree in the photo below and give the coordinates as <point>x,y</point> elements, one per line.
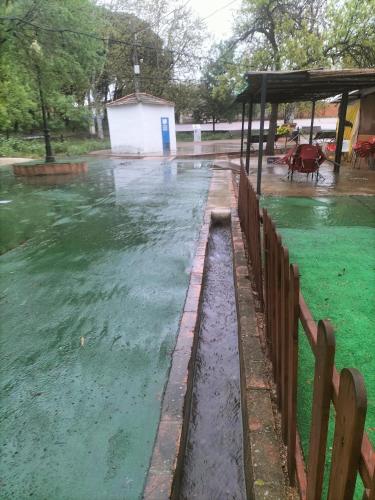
<point>351,35</point>
<point>163,37</point>
<point>132,39</point>
<point>55,62</point>
<point>265,28</point>
<point>185,96</point>
<point>218,87</point>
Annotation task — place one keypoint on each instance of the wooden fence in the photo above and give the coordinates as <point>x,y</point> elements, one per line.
<point>284,309</point>
<point>248,211</point>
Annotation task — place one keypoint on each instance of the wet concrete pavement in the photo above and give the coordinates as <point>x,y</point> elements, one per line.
<point>10,161</point>
<point>208,147</point>
<point>349,181</point>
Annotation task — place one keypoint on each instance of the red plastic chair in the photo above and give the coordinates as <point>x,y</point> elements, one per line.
<point>307,160</point>
<point>362,149</point>
<point>285,160</point>
<point>330,149</point>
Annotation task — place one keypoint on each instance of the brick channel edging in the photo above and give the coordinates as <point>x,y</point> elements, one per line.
<point>263,470</point>
<point>164,475</point>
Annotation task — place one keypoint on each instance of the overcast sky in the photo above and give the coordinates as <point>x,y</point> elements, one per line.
<point>218,24</point>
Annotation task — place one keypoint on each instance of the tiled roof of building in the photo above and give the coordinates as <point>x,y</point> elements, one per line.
<point>140,97</point>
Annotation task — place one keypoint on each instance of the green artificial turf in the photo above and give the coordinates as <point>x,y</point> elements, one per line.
<point>333,242</point>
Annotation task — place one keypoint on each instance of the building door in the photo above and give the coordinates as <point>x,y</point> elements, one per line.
<point>165,135</point>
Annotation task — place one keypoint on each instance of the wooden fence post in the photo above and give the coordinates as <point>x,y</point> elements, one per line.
<point>274,297</point>
<point>285,279</point>
<point>271,281</point>
<point>248,218</point>
<point>245,208</point>
<point>324,361</point>
<point>266,271</point>
<point>293,371</point>
<point>350,419</point>
<point>258,251</point>
<point>278,318</point>
<point>239,201</point>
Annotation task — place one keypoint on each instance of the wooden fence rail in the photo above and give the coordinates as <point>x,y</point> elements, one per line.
<point>284,309</point>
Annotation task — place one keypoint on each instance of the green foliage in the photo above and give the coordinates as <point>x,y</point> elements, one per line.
<point>44,47</point>
<point>67,114</point>
<point>219,84</point>
<point>282,34</point>
<point>285,34</point>
<point>118,67</point>
<point>166,47</point>
<point>209,136</point>
<point>18,147</point>
<point>284,129</point>
<point>34,148</point>
<point>17,102</point>
<point>351,37</point>
<point>63,63</point>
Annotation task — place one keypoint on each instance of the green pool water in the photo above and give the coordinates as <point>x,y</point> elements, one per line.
<point>333,242</point>
<point>93,278</point>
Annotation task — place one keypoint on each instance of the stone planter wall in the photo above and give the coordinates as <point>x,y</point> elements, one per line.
<point>51,168</point>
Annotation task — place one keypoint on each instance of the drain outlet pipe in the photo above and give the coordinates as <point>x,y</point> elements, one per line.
<point>220,217</point>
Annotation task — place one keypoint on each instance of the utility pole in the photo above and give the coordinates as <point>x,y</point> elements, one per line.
<point>136,65</point>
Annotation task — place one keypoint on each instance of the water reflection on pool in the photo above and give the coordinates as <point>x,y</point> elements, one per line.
<point>93,278</point>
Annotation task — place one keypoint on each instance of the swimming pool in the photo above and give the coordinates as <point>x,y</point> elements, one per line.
<point>93,281</point>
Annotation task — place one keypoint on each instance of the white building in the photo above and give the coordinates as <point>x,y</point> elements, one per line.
<point>142,124</point>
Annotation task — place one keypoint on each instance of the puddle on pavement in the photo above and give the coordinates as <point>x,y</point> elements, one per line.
<point>213,466</point>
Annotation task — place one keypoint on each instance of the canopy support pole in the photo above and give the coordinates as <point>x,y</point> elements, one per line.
<point>249,131</point>
<point>312,122</point>
<point>242,127</point>
<point>261,131</point>
<point>340,131</point>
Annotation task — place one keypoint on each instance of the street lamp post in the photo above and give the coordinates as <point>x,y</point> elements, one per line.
<point>37,54</point>
<point>47,139</point>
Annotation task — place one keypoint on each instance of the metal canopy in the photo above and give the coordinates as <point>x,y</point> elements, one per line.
<point>305,85</point>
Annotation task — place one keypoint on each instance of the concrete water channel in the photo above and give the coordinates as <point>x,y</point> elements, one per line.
<point>94,275</point>
<point>214,462</point>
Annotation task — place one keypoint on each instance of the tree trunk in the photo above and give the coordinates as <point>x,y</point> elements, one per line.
<point>270,148</point>
<point>92,115</point>
<point>213,124</point>
<point>289,112</point>
<point>99,124</point>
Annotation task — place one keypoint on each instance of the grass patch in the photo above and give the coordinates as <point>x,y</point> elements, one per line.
<point>332,241</point>
<point>209,136</point>
<point>34,148</point>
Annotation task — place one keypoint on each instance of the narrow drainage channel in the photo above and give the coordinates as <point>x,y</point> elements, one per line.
<point>214,465</point>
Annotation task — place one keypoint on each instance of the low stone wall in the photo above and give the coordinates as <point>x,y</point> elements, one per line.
<point>51,168</point>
